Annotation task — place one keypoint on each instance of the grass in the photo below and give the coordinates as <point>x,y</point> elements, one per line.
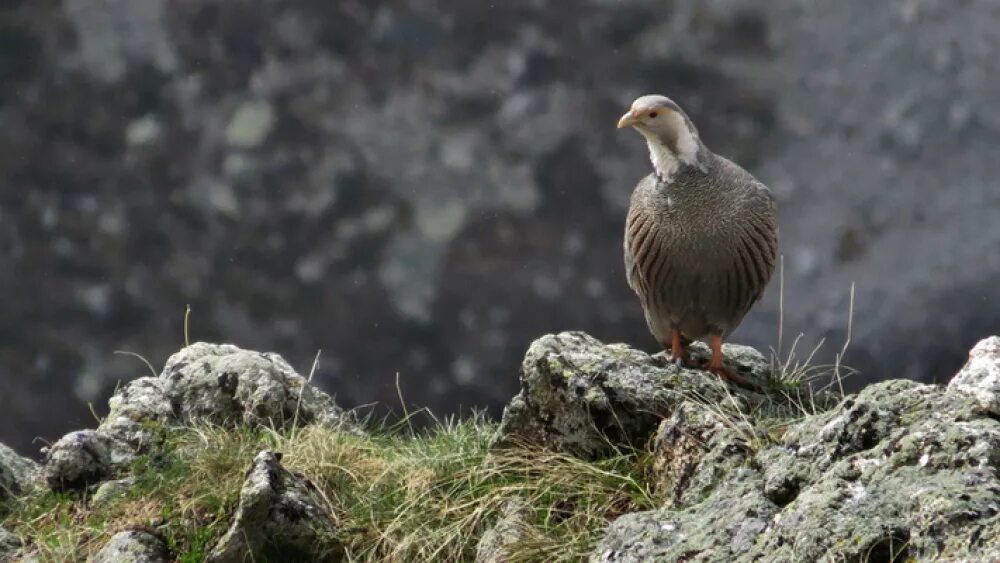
<point>797,387</point>
<point>397,495</point>
<point>797,381</point>
<point>401,494</point>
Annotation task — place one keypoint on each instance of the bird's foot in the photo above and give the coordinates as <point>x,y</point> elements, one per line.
<point>719,368</point>
<point>679,355</point>
<point>682,360</point>
<point>733,377</point>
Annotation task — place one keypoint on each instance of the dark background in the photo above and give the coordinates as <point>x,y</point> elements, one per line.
<point>422,187</point>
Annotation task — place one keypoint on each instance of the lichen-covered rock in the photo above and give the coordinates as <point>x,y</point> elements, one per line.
<point>280,517</point>
<point>694,450</point>
<point>214,383</point>
<point>9,545</point>
<point>721,528</point>
<point>900,471</point>
<point>137,409</point>
<point>494,544</point>
<point>980,377</point>
<point>84,457</point>
<point>223,384</point>
<point>133,546</point>
<point>16,472</point>
<point>110,490</point>
<point>581,396</point>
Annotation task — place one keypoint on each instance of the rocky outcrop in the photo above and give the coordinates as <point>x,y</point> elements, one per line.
<point>280,517</point>
<point>580,396</point>
<point>901,471</point>
<point>206,383</point>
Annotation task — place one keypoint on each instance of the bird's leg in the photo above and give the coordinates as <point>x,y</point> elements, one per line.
<point>717,367</point>
<point>678,349</point>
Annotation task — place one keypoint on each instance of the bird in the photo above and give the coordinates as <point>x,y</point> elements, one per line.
<point>701,236</point>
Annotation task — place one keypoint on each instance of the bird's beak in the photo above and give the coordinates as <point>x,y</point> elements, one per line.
<point>630,118</point>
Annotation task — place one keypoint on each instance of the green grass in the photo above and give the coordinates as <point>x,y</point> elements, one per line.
<point>403,495</point>
<point>396,495</point>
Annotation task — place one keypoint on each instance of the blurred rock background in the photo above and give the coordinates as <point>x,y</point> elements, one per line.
<point>421,187</point>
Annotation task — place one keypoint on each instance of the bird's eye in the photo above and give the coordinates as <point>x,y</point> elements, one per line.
<point>652,114</point>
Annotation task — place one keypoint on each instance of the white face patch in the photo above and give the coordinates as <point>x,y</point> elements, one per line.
<point>665,161</point>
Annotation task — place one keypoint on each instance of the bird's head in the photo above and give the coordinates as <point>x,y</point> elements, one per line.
<point>672,137</point>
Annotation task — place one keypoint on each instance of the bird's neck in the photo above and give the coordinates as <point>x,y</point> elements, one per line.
<point>668,158</point>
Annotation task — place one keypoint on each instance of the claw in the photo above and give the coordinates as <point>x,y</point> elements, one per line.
<point>717,367</point>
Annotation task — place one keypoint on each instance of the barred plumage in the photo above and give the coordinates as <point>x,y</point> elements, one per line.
<point>700,264</point>
<point>701,235</point>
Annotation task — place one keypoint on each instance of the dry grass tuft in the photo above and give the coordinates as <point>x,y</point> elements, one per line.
<point>397,496</point>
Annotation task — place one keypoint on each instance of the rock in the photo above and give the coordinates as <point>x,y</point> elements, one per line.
<point>223,384</point>
<point>138,410</point>
<point>110,490</point>
<point>85,457</point>
<point>494,543</point>
<point>214,383</point>
<point>581,396</point>
<point>133,546</point>
<point>281,516</point>
<point>980,377</point>
<point>695,449</point>
<point>16,472</point>
<point>9,545</point>
<point>719,529</point>
<point>901,471</point>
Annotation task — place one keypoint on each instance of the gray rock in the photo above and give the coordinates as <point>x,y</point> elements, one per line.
<point>721,528</point>
<point>137,410</point>
<point>901,471</point>
<point>580,396</point>
<point>85,457</point>
<point>215,383</point>
<point>494,544</point>
<point>133,546</point>
<point>110,490</point>
<point>980,377</point>
<point>9,544</point>
<point>16,472</point>
<point>695,449</point>
<point>223,384</point>
<point>280,516</point>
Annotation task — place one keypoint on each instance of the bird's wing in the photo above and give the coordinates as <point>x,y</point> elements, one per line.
<point>632,273</point>
<point>757,247</point>
<point>642,243</point>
